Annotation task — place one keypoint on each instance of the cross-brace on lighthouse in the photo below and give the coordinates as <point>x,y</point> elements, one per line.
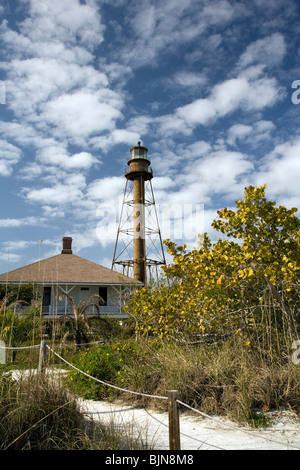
<point>139,248</point>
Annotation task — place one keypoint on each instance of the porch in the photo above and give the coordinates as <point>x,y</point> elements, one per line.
<point>56,302</point>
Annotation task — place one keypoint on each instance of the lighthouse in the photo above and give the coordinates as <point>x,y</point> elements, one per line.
<point>138,247</point>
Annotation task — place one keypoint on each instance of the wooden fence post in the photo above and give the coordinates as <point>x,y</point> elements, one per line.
<point>174,427</point>
<point>42,356</point>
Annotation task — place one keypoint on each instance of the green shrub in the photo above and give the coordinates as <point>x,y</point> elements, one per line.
<point>222,379</point>
<point>106,363</point>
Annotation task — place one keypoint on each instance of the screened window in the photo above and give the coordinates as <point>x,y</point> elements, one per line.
<point>47,296</point>
<point>103,294</point>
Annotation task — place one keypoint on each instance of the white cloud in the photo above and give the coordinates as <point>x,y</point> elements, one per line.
<point>196,149</point>
<point>188,79</point>
<point>14,222</point>
<point>163,182</point>
<point>269,51</point>
<point>83,113</point>
<point>58,194</point>
<point>171,124</point>
<point>59,157</point>
<point>75,99</point>
<point>216,172</point>
<point>116,136</point>
<point>69,192</point>
<point>250,134</point>
<point>218,12</point>
<point>52,83</point>
<point>23,48</point>
<point>165,159</point>
<point>220,172</point>
<point>145,21</point>
<point>19,244</point>
<point>9,156</point>
<point>106,189</point>
<point>22,133</point>
<point>53,212</point>
<point>31,171</point>
<point>238,132</point>
<point>7,223</point>
<point>241,93</point>
<point>10,258</point>
<point>67,21</point>
<point>168,25</point>
<point>35,80</point>
<point>140,124</point>
<point>81,160</point>
<point>169,157</point>
<point>199,111</point>
<point>281,171</point>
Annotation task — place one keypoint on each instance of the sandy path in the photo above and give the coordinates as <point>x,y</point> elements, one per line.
<point>198,433</point>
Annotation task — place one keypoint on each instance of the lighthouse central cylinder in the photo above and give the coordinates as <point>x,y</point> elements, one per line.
<point>138,173</point>
<point>139,248</point>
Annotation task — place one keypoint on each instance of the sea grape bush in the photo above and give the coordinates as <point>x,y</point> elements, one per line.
<point>224,288</point>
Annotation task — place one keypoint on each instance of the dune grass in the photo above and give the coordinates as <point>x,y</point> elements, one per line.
<point>228,379</point>
<point>36,413</point>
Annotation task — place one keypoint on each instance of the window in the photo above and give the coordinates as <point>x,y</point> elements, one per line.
<point>85,288</point>
<point>103,294</point>
<point>47,297</point>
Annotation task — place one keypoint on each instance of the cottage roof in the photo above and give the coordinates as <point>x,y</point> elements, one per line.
<point>65,268</point>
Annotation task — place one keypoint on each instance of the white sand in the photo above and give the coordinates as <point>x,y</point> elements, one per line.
<point>198,433</point>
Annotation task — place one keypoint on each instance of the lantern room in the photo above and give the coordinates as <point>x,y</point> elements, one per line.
<point>139,152</point>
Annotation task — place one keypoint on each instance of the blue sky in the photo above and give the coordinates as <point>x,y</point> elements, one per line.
<point>209,86</point>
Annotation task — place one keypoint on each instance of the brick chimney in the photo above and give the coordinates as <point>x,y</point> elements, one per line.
<point>66,246</point>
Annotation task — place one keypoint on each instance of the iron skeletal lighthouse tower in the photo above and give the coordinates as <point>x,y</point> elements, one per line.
<point>138,249</point>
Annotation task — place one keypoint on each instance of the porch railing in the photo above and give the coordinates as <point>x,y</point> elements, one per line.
<point>110,310</point>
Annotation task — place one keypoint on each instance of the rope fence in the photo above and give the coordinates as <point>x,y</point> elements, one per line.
<point>13,348</point>
<point>173,401</point>
<point>101,381</point>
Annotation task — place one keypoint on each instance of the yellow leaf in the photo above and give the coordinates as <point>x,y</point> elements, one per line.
<point>250,272</point>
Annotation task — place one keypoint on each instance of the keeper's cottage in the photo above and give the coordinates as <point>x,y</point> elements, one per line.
<point>80,278</point>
